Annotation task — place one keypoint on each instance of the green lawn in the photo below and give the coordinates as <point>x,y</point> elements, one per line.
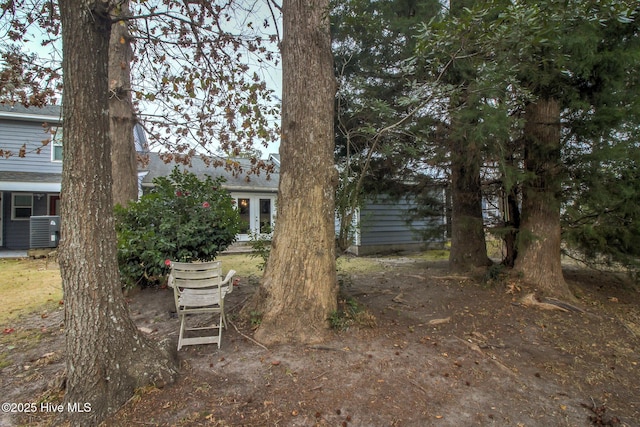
<point>27,285</point>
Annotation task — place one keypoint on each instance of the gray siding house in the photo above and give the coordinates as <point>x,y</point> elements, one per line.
<point>31,169</point>
<point>30,177</point>
<point>380,226</point>
<point>30,186</point>
<point>255,194</point>
<point>385,225</point>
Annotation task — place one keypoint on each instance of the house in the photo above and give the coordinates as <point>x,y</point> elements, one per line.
<point>30,176</point>
<point>255,194</point>
<point>31,169</point>
<point>385,224</point>
<point>382,225</point>
<point>30,182</point>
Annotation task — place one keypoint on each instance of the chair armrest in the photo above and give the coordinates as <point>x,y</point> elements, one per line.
<point>227,283</point>
<point>230,274</point>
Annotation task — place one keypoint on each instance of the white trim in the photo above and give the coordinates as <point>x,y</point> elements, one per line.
<point>30,187</point>
<point>30,117</point>
<point>254,210</point>
<point>13,206</point>
<point>54,143</point>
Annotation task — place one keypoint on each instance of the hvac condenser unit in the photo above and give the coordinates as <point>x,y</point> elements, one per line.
<point>45,231</point>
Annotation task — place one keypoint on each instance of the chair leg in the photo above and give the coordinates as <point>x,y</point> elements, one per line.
<point>182,326</point>
<point>223,318</point>
<point>221,321</point>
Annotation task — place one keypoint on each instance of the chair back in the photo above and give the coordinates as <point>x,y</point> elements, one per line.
<point>195,274</point>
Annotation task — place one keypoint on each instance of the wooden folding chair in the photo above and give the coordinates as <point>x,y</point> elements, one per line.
<point>198,288</point>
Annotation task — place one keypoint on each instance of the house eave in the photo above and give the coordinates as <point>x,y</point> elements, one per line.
<point>26,117</point>
<point>236,188</point>
<point>30,187</point>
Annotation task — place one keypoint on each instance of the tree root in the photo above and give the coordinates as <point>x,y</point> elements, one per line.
<point>530,300</point>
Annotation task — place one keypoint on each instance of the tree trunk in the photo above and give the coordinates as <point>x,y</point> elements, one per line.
<point>468,243</point>
<point>538,259</point>
<point>299,287</point>
<point>513,225</point>
<point>512,217</point>
<point>106,356</point>
<point>123,152</point>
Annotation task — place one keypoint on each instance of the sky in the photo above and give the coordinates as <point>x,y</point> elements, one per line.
<point>272,75</point>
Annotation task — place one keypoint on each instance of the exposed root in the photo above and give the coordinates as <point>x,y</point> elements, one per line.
<point>530,300</point>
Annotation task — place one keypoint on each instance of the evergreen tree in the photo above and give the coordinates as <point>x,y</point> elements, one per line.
<point>553,77</point>
<point>380,135</point>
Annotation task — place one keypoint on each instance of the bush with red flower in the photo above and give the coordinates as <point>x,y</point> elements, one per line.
<point>182,219</point>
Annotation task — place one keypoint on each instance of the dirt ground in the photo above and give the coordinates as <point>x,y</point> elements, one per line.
<point>422,349</point>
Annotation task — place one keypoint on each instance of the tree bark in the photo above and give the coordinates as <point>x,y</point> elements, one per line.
<point>107,357</point>
<point>123,153</point>
<point>299,287</point>
<point>468,243</point>
<point>538,260</point>
<point>512,215</point>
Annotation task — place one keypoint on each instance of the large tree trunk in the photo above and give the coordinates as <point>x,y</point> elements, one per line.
<point>123,152</point>
<point>106,356</point>
<point>468,243</point>
<point>538,259</point>
<point>299,288</point>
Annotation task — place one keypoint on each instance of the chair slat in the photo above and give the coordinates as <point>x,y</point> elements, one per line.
<point>199,288</point>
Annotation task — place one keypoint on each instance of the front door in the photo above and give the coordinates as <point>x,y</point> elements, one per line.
<point>257,214</point>
<point>54,204</point>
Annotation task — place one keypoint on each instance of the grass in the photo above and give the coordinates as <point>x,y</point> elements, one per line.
<point>358,265</point>
<point>26,286</point>
<point>243,264</point>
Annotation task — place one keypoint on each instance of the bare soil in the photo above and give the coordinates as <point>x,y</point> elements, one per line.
<point>420,348</point>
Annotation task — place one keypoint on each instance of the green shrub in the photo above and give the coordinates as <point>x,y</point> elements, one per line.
<point>261,247</point>
<point>181,219</point>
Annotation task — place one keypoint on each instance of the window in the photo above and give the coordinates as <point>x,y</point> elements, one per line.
<point>56,145</point>
<point>21,206</point>
<point>244,206</point>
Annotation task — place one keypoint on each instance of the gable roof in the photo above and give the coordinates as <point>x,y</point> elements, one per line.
<point>50,113</point>
<point>243,181</point>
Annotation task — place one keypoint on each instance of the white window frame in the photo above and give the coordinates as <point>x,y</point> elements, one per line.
<point>56,142</point>
<point>254,212</point>
<point>14,206</point>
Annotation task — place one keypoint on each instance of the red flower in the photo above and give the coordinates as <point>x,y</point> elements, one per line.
<point>178,193</point>
<point>167,262</point>
<point>206,205</point>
